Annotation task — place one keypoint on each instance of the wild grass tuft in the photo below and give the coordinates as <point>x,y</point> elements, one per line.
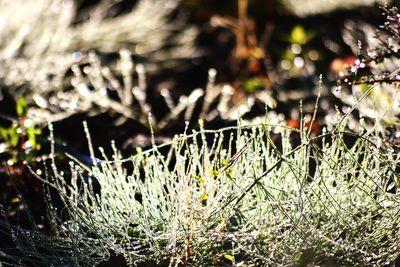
<point>240,195</point>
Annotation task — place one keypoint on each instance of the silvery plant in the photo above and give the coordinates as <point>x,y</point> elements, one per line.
<point>40,41</point>
<point>370,84</point>
<point>54,56</point>
<point>313,7</point>
<point>233,196</point>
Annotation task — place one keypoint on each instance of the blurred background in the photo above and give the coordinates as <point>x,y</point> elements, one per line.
<point>132,67</point>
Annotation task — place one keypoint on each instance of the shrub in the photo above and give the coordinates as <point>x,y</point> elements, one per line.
<point>238,195</point>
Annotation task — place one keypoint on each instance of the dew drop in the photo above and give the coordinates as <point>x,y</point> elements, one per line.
<point>103,91</point>
<point>285,64</point>
<point>13,235</point>
<point>76,56</point>
<point>299,62</point>
<point>296,48</point>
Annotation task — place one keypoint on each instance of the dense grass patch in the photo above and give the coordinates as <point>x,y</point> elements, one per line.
<point>240,195</point>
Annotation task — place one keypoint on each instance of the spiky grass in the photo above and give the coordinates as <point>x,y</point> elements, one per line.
<point>235,196</point>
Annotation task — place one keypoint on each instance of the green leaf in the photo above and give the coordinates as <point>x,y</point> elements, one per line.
<point>229,257</point>
<point>3,133</point>
<point>199,179</point>
<point>298,35</point>
<point>297,257</point>
<point>253,85</point>
<point>33,133</point>
<point>10,135</point>
<point>22,106</point>
<point>229,172</point>
<point>215,173</point>
<point>224,162</point>
<point>14,136</point>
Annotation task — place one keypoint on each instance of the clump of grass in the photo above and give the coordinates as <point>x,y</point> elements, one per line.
<point>238,195</point>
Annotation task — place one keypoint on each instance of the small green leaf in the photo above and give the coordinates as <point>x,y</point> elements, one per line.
<point>224,162</point>
<point>10,135</point>
<point>33,133</point>
<point>229,172</point>
<point>253,85</point>
<point>3,133</point>
<point>199,179</point>
<point>22,106</point>
<point>297,257</point>
<point>215,173</point>
<point>15,200</point>
<point>298,35</point>
<point>229,257</point>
